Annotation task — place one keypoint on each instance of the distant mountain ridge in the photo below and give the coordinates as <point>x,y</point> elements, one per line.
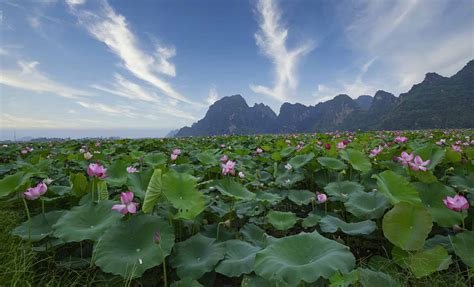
<point>436,102</point>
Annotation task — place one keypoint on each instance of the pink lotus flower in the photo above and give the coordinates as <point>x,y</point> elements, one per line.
<point>327,146</point>
<point>241,174</point>
<point>132,169</point>
<point>177,151</point>
<point>400,139</point>
<point>24,151</point>
<point>419,164</point>
<point>96,170</point>
<point>222,145</point>
<point>322,197</point>
<point>127,206</point>
<point>259,150</point>
<point>224,158</point>
<point>341,145</point>
<point>375,151</point>
<point>228,168</point>
<point>173,156</point>
<point>456,203</point>
<point>456,148</point>
<point>36,192</point>
<point>405,158</point>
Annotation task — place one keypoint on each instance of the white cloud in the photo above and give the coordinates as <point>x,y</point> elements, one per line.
<point>272,41</point>
<point>75,2</point>
<point>8,120</point>
<point>113,30</point>
<point>28,77</point>
<point>213,96</point>
<point>125,88</point>
<point>108,109</point>
<point>410,38</point>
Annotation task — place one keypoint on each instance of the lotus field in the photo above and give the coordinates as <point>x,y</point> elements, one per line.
<point>334,209</point>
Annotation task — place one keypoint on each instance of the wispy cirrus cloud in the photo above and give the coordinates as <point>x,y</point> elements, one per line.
<point>213,95</point>
<point>272,40</point>
<point>125,88</point>
<point>112,29</point>
<point>29,77</point>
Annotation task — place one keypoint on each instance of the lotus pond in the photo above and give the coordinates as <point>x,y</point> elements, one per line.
<point>334,209</point>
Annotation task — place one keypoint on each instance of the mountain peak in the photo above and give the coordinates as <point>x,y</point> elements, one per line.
<point>432,77</point>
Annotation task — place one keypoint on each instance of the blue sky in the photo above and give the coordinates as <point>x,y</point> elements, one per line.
<point>115,66</point>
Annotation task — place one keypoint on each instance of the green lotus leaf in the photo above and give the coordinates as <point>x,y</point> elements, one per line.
<point>197,255</point>
<point>79,184</point>
<point>282,220</point>
<point>288,179</point>
<point>463,246</point>
<point>41,226</point>
<point>440,240</point>
<point>301,160</point>
<point>312,219</point>
<point>426,262</point>
<point>367,205</point>
<point>10,183</point>
<point>239,258</point>
<point>180,190</point>
<point>257,281</point>
<point>332,163</point>
<point>461,182</point>
<point>186,282</point>
<point>407,226</point>
<point>331,224</point>
<point>128,248</point>
<point>357,159</point>
<point>397,188</point>
<point>254,234</point>
<point>60,190</point>
<point>341,190</point>
<point>138,182</point>
<point>301,197</point>
<point>432,152</point>
<point>432,196</point>
<point>86,222</point>
<point>452,156</point>
<point>117,173</point>
<point>232,188</point>
<point>369,278</point>
<point>155,159</point>
<point>207,158</point>
<point>270,197</point>
<point>153,192</point>
<point>344,280</point>
<point>303,257</point>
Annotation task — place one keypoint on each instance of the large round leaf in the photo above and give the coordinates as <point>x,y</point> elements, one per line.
<point>430,152</point>
<point>463,246</point>
<point>282,220</point>
<point>331,224</point>
<point>303,257</point>
<point>332,163</point>
<point>186,282</point>
<point>10,183</point>
<point>301,197</point>
<point>117,173</point>
<point>357,159</point>
<point>230,187</point>
<point>397,188</point>
<point>86,222</point>
<point>128,248</point>
<point>300,160</point>
<point>41,226</point>
<point>432,196</point>
<point>180,190</point>
<point>197,255</point>
<point>138,182</point>
<point>207,158</point>
<point>407,226</point>
<point>367,205</point>
<point>239,258</point>
<point>370,278</point>
<point>340,190</point>
<point>426,262</point>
